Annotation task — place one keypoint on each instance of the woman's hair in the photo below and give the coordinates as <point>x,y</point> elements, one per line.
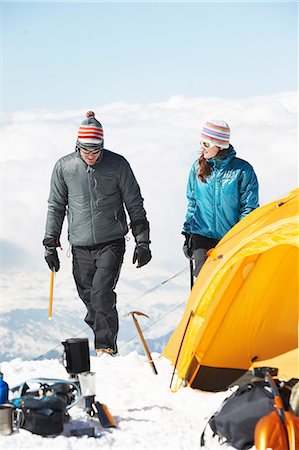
<point>205,169</point>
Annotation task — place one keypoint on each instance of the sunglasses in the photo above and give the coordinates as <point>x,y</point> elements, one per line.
<point>90,152</point>
<point>206,145</point>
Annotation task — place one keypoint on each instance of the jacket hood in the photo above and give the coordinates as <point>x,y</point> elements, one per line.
<point>221,163</point>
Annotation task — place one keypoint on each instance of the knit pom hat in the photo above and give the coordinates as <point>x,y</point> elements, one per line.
<point>90,134</point>
<point>217,132</point>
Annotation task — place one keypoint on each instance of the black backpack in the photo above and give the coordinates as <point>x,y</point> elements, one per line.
<point>43,409</point>
<point>235,421</point>
<point>44,416</point>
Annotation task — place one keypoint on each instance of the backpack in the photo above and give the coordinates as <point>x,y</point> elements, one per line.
<point>235,421</point>
<point>43,416</point>
<point>42,404</point>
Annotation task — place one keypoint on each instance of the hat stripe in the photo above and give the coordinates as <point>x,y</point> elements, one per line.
<point>91,133</point>
<point>214,135</point>
<point>86,135</point>
<point>217,132</point>
<point>220,141</point>
<point>82,127</point>
<point>98,131</point>
<point>215,138</point>
<point>225,129</point>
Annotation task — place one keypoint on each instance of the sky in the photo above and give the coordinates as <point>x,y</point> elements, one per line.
<point>70,55</point>
<point>153,73</point>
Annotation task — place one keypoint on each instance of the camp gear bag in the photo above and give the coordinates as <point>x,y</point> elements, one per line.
<point>43,416</point>
<point>66,390</point>
<point>235,421</point>
<point>43,404</point>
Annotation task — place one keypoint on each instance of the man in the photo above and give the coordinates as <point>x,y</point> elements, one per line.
<point>93,185</point>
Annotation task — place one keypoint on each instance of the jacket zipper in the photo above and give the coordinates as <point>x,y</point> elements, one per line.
<point>118,221</point>
<point>90,202</point>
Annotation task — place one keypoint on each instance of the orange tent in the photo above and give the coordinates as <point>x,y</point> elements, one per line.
<point>243,308</point>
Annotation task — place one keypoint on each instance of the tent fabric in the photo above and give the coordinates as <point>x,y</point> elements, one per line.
<point>243,308</point>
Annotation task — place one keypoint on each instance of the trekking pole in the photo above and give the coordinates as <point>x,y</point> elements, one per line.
<point>143,340</point>
<point>191,274</point>
<point>51,294</point>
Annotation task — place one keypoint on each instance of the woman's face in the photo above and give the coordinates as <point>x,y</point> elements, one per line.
<point>210,152</point>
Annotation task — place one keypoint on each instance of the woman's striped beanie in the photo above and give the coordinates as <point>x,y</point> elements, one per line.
<point>90,134</point>
<point>216,132</point>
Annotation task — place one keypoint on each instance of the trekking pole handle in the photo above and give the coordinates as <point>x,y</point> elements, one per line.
<point>50,310</point>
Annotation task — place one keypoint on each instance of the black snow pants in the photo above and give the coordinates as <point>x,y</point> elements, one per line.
<point>96,271</point>
<point>200,246</point>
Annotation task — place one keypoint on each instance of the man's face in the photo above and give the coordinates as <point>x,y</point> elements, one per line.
<point>90,156</point>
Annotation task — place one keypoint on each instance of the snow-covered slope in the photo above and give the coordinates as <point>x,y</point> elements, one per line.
<point>27,333</point>
<point>147,413</point>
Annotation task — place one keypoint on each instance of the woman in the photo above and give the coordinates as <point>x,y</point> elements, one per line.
<point>221,190</point>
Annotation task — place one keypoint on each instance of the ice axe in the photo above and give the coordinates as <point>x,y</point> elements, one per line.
<point>51,294</point>
<point>148,353</point>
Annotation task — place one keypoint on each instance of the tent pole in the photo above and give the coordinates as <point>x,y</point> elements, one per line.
<point>181,344</point>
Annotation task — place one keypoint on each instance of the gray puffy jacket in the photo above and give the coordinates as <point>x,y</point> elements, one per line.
<point>94,199</point>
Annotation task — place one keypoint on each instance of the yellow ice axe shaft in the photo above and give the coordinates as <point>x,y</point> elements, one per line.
<point>148,353</point>
<point>51,295</point>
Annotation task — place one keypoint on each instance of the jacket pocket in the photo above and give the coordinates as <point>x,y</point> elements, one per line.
<point>119,224</point>
<point>70,222</point>
<point>108,185</point>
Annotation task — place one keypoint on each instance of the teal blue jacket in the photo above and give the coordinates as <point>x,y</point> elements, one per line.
<point>228,195</point>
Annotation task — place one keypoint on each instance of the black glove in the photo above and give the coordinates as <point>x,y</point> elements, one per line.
<point>187,247</point>
<point>51,255</point>
<point>142,253</point>
<point>52,259</point>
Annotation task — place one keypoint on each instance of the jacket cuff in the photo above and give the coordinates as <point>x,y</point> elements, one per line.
<point>51,242</point>
<point>139,226</point>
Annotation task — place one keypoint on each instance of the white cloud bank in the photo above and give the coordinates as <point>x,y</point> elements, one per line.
<point>160,140</point>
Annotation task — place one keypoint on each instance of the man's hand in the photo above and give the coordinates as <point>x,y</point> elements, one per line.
<point>51,255</point>
<point>140,231</point>
<point>142,254</point>
<point>52,259</point>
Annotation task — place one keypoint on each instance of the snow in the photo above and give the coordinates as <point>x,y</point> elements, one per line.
<point>148,414</point>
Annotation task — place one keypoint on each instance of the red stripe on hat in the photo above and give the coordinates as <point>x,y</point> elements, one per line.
<point>89,133</point>
<point>91,130</point>
<point>89,127</point>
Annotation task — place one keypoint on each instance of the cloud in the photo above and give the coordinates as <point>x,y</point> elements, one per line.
<point>161,141</point>
<point>13,256</point>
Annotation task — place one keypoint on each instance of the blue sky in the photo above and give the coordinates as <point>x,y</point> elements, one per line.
<point>70,55</point>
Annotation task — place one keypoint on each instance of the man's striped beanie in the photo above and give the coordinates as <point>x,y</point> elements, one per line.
<point>90,134</point>
<point>216,132</point>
